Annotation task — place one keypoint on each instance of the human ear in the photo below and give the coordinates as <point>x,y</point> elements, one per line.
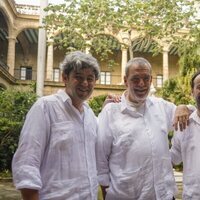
<point>64,78</point>
<point>125,81</point>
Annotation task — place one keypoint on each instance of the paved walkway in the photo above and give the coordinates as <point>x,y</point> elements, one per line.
<point>8,192</point>
<point>179,180</point>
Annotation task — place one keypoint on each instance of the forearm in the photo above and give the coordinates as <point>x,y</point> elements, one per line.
<point>29,194</point>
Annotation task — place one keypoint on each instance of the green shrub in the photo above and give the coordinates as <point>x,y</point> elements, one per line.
<point>96,103</point>
<point>14,104</point>
<point>177,90</point>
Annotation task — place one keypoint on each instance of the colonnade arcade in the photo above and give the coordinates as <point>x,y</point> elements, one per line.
<point>19,44</point>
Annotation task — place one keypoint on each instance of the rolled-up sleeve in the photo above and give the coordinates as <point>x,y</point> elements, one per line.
<point>175,150</point>
<point>27,159</point>
<point>170,109</point>
<point>103,149</point>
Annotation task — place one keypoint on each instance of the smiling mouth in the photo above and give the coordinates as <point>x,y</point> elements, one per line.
<point>141,91</point>
<point>83,90</point>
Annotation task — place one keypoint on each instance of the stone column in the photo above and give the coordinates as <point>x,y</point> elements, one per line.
<point>11,55</point>
<point>49,69</point>
<point>41,55</point>
<point>124,61</point>
<point>165,64</point>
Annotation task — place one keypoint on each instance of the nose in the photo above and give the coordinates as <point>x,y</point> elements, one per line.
<point>85,82</point>
<point>141,82</point>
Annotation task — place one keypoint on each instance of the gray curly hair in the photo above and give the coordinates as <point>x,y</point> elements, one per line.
<point>78,60</point>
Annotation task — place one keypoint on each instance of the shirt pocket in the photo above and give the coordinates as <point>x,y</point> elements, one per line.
<point>126,141</point>
<point>62,135</point>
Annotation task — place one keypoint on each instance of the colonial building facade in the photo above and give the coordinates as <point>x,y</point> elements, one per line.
<point>19,26</point>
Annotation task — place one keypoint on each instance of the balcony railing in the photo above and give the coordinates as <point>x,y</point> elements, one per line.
<point>4,65</point>
<point>4,72</point>
<point>27,9</point>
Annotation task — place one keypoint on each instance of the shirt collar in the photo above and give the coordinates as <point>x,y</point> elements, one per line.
<point>126,107</point>
<point>194,116</point>
<point>66,98</point>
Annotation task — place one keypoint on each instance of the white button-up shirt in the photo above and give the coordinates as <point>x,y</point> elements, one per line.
<point>133,156</point>
<point>56,152</point>
<point>186,149</point>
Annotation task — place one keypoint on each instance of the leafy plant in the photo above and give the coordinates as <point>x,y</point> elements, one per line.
<point>81,22</point>
<point>96,103</point>
<point>178,90</point>
<point>14,104</point>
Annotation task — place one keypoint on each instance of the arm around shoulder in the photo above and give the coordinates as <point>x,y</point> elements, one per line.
<point>181,117</point>
<point>175,150</point>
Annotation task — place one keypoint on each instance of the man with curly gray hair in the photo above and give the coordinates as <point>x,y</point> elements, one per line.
<point>55,158</point>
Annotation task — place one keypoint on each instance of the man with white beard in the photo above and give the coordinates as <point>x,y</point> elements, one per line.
<point>133,158</point>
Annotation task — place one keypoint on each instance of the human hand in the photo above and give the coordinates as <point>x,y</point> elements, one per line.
<point>181,118</point>
<point>112,98</point>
